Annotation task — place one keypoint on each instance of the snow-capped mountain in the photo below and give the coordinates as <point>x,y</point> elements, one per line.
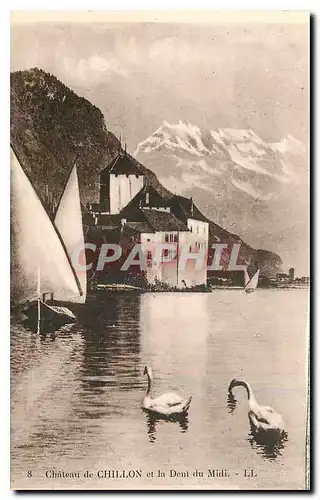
<point>249,185</point>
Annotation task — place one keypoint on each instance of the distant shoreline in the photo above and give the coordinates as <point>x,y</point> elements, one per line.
<point>122,288</point>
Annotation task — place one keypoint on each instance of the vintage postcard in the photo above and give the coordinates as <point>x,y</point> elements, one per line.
<point>160,250</point>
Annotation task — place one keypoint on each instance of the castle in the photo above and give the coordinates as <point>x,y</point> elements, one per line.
<point>130,211</point>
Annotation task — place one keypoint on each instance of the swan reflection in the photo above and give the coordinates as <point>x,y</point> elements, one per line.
<point>231,402</point>
<point>270,448</point>
<point>153,420</point>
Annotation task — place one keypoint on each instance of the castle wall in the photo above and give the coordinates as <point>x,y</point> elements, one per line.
<point>197,239</point>
<point>167,271</point>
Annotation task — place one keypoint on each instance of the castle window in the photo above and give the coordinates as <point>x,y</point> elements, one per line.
<point>166,238</point>
<point>175,238</point>
<point>149,255</point>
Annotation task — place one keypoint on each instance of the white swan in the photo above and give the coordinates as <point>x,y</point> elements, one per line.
<point>262,418</point>
<point>168,404</point>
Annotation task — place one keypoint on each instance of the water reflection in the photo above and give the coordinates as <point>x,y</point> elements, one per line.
<point>174,336</point>
<point>45,328</point>
<point>50,332</point>
<point>231,402</point>
<point>111,353</point>
<point>112,336</point>
<point>269,447</point>
<point>153,420</point>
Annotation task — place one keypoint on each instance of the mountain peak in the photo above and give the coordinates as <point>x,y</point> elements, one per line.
<point>178,136</point>
<point>289,144</point>
<point>228,143</point>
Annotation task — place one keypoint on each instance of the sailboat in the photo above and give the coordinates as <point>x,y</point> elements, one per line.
<point>68,222</point>
<point>250,284</point>
<point>44,281</point>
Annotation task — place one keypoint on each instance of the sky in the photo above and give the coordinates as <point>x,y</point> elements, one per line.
<point>213,75</point>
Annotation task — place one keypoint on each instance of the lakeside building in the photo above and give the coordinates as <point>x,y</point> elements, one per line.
<point>282,277</point>
<point>289,280</point>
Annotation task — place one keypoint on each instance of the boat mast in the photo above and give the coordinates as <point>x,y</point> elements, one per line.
<point>38,300</point>
<point>177,259</point>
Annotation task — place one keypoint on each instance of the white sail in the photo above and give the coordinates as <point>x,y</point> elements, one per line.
<point>246,277</point>
<point>36,245</point>
<point>68,221</point>
<point>253,282</point>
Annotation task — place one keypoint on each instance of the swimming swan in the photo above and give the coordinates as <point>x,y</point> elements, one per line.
<point>263,419</point>
<point>168,404</point>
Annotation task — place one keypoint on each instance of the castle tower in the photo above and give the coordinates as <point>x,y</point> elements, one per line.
<point>291,273</point>
<point>120,181</point>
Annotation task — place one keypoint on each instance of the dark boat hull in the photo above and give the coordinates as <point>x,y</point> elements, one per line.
<point>50,314</point>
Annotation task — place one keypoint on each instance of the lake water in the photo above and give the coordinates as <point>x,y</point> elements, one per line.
<point>77,393</point>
